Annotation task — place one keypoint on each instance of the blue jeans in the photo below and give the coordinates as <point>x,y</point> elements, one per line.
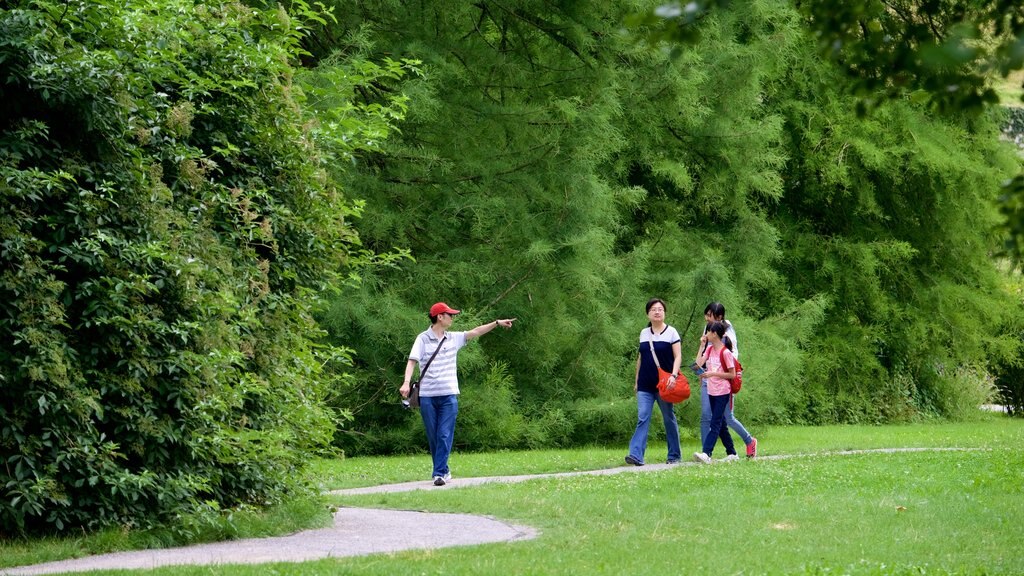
<point>719,405</point>
<point>644,407</point>
<point>438,414</point>
<point>730,418</point>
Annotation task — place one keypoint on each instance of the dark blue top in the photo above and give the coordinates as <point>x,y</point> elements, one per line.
<point>647,379</point>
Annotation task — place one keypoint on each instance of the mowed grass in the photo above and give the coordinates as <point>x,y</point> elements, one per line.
<point>900,513</point>
<point>803,509</point>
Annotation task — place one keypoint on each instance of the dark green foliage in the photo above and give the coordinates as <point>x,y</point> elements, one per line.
<point>492,186</point>
<point>1011,389</point>
<point>904,203</point>
<point>1009,369</point>
<point>167,227</point>
<point>942,52</point>
<point>555,170</point>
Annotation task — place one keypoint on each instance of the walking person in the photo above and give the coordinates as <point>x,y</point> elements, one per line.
<point>715,312</point>
<point>720,366</point>
<point>661,339</point>
<point>439,386</point>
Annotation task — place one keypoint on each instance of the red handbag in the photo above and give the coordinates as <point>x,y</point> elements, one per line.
<point>680,392</point>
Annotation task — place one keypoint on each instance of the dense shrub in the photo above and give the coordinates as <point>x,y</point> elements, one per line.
<point>166,230</point>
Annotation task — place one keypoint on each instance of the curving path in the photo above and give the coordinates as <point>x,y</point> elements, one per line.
<point>359,531</point>
<point>356,531</point>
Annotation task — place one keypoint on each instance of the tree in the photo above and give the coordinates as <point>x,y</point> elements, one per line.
<point>943,52</point>
<point>554,170</point>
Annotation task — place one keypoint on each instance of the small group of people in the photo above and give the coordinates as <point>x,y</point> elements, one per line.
<point>715,364</point>
<point>435,349</point>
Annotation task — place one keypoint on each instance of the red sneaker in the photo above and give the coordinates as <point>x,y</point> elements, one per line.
<point>752,447</point>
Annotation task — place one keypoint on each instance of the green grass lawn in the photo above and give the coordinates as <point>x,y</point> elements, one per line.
<point>991,430</point>
<point>929,512</point>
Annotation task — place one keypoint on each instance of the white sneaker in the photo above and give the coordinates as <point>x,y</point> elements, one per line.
<point>442,480</point>
<point>701,457</point>
<point>731,458</point>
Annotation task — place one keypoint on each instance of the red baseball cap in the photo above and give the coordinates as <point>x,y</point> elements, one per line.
<point>442,308</point>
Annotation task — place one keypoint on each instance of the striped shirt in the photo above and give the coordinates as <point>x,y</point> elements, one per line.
<point>441,379</point>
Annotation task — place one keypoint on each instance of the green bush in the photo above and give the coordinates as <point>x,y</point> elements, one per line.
<point>167,228</point>
<point>964,391</point>
<point>600,421</point>
<point>489,418</point>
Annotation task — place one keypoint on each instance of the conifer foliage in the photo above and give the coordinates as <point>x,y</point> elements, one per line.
<point>557,170</point>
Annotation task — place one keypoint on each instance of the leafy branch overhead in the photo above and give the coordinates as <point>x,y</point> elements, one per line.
<point>945,53</point>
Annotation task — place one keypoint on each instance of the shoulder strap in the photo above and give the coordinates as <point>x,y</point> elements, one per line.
<point>722,362</point>
<point>651,342</point>
<point>436,350</point>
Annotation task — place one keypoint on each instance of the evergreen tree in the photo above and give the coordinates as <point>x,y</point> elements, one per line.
<point>557,170</point>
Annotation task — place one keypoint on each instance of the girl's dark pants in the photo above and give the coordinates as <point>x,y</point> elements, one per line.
<point>718,406</point>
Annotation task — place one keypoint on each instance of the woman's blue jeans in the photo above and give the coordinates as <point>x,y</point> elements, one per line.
<point>644,408</point>
<point>730,418</point>
<point>438,414</point>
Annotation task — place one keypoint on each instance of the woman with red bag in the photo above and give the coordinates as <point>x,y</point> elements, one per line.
<point>661,339</point>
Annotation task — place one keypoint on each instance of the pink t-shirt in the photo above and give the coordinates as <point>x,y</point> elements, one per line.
<point>718,386</point>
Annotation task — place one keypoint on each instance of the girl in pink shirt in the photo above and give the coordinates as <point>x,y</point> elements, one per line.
<point>720,367</point>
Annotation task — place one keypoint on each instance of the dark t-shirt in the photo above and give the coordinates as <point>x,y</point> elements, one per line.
<point>647,379</point>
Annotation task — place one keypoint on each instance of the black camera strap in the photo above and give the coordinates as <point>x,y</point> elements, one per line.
<point>427,367</point>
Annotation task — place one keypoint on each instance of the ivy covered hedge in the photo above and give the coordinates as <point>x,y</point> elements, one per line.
<point>167,225</point>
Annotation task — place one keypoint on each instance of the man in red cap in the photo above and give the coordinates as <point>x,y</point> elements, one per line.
<point>435,351</point>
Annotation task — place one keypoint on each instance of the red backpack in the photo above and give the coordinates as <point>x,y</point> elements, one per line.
<point>735,383</point>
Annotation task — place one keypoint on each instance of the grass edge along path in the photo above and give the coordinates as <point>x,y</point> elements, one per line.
<point>476,481</point>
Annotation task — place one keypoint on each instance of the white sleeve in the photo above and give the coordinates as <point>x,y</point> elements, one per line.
<point>731,333</point>
<point>417,349</point>
<point>458,339</point>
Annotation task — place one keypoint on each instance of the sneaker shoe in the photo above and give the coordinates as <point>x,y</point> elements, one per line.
<point>631,460</point>
<point>442,480</point>
<point>701,457</point>
<point>752,447</point>
<point>674,461</point>
<point>731,458</point>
